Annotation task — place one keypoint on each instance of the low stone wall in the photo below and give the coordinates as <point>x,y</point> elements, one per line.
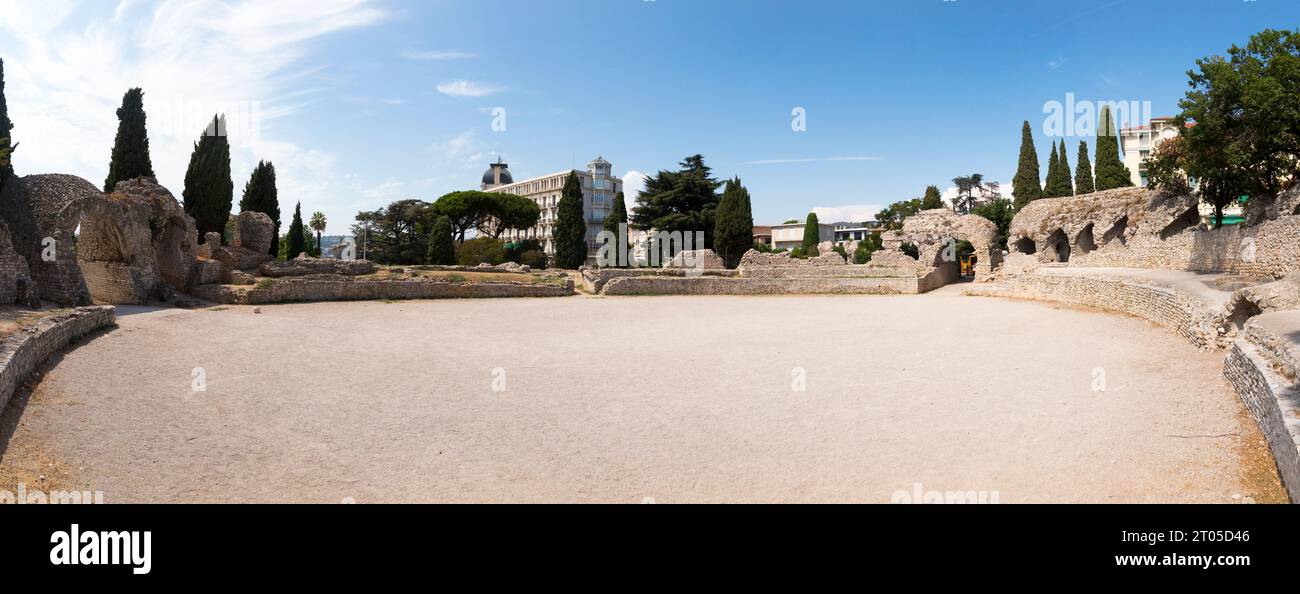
<point>594,279</point>
<point>24,350</point>
<point>339,288</point>
<point>713,285</point>
<point>1261,368</point>
<point>1201,324</point>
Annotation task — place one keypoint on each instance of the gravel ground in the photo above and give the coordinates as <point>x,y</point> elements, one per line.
<point>672,399</point>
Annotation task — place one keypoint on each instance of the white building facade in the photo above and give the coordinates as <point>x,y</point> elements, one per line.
<point>1140,142</point>
<point>599,187</point>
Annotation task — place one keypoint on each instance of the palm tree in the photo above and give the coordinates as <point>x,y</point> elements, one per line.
<point>317,224</point>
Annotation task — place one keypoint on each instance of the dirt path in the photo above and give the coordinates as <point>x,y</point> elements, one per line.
<point>622,399</point>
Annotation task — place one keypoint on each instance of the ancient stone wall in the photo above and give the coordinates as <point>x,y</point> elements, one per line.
<point>23,351</point>
<point>304,265</point>
<point>343,288</point>
<point>1261,366</point>
<point>1138,228</point>
<point>935,233</point>
<point>715,285</point>
<point>136,244</point>
<point>42,213</point>
<point>1201,324</point>
<point>16,284</point>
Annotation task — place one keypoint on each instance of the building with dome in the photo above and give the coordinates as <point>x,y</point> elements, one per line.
<point>599,187</point>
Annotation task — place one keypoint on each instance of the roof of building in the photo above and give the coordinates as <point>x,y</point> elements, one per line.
<point>490,178</point>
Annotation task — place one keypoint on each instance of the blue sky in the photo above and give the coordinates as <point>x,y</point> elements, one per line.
<point>360,103</point>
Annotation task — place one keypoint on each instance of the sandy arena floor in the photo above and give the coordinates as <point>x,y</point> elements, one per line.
<point>674,399</point>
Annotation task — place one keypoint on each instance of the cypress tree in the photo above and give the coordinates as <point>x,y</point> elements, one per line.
<point>297,234</point>
<point>6,139</point>
<point>570,236</point>
<point>1050,186</point>
<point>442,246</point>
<point>209,191</point>
<point>1027,183</point>
<point>260,195</point>
<point>812,234</point>
<point>616,216</point>
<point>1063,164</point>
<point>933,198</point>
<point>1111,172</point>
<point>130,157</point>
<point>733,230</point>
<point>1083,172</point>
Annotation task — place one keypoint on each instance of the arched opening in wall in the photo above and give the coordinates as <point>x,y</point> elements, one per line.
<point>1025,245</point>
<point>1116,231</point>
<point>1058,244</point>
<point>1185,221</point>
<point>909,248</point>
<point>102,256</point>
<point>1242,311</point>
<point>1085,240</point>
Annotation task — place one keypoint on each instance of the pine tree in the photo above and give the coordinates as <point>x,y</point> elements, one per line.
<point>209,191</point>
<point>1027,183</point>
<point>260,195</point>
<point>130,157</point>
<point>442,246</point>
<point>297,234</point>
<point>933,198</point>
<point>6,139</point>
<point>812,233</point>
<point>1063,164</point>
<point>733,231</point>
<point>1083,173</point>
<point>1050,186</point>
<point>1111,172</point>
<point>570,236</point>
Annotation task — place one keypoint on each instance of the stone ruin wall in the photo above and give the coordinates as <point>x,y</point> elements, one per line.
<point>1139,228</point>
<point>136,244</point>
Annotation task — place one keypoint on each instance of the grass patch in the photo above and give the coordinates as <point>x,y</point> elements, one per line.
<point>456,277</point>
<point>265,283</point>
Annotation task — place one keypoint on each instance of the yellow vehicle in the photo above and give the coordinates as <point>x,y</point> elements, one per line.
<point>968,265</point>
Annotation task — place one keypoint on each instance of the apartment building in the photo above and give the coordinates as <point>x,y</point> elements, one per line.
<point>599,187</point>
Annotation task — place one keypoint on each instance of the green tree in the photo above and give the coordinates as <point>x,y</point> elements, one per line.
<point>866,247</point>
<point>1000,211</point>
<point>733,232</point>
<point>261,195</point>
<point>6,146</point>
<point>489,213</point>
<point>481,250</point>
<point>1050,186</point>
<point>1061,185</point>
<point>130,157</point>
<point>442,247</point>
<point>297,235</point>
<point>570,235</point>
<point>395,234</point>
<point>1083,172</point>
<point>683,201</point>
<point>1027,185</point>
<point>317,224</point>
<point>209,191</point>
<point>812,234</point>
<point>891,217</point>
<point>1246,110</point>
<point>1111,172</point>
<point>933,198</point>
<point>616,216</point>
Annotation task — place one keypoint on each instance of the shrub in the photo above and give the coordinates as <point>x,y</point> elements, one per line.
<point>481,250</point>
<point>535,259</point>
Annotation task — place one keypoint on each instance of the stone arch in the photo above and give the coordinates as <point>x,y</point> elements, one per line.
<point>1025,245</point>
<point>1084,240</point>
<point>931,230</point>
<point>1190,218</point>
<point>1057,246</point>
<point>1116,231</point>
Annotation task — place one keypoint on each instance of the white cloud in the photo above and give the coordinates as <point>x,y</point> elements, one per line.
<point>387,191</point>
<point>852,213</point>
<point>633,183</point>
<point>808,160</point>
<point>246,58</point>
<point>441,55</point>
<point>468,88</point>
<point>1004,189</point>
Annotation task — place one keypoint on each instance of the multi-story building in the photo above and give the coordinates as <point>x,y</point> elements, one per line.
<point>598,190</point>
<point>790,235</point>
<point>1140,142</point>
